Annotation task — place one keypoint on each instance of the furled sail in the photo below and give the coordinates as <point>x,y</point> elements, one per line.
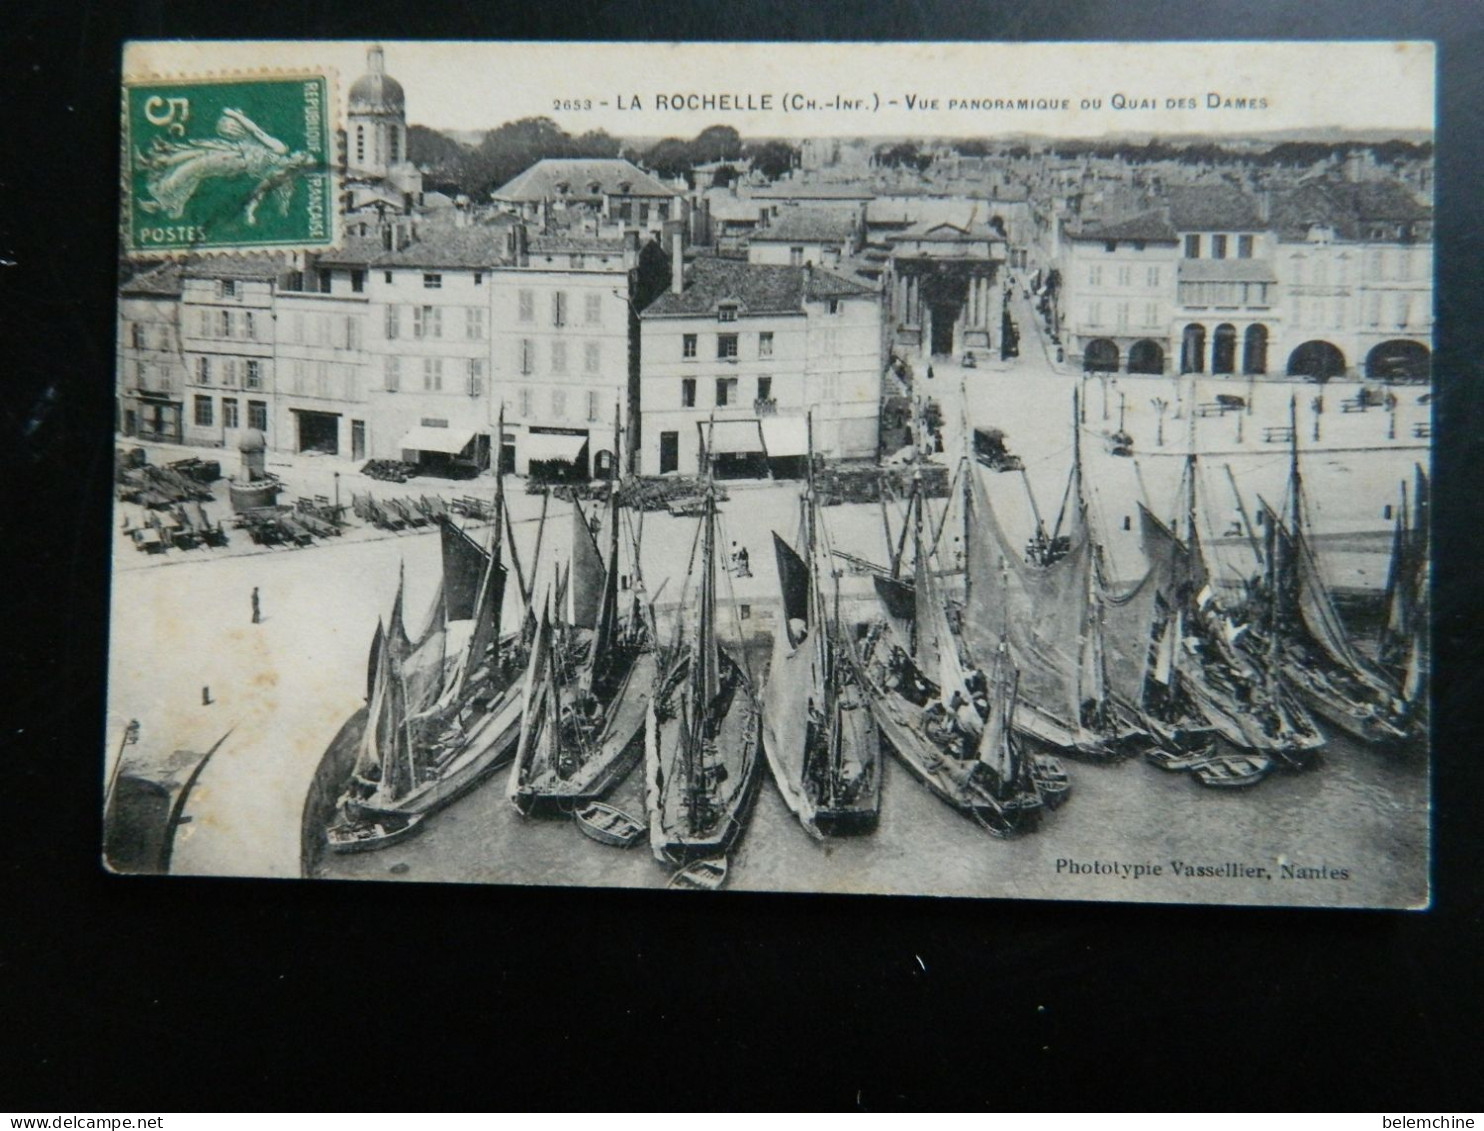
<point>585,576</point>
<point>997,748</point>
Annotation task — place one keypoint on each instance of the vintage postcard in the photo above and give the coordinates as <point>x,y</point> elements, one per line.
<point>939,469</point>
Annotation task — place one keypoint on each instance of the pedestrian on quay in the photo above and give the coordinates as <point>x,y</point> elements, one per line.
<point>743,567</point>
<point>733,559</point>
<point>257,608</point>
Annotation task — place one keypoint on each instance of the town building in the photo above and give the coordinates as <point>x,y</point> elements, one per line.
<point>609,192</point>
<point>565,374</point>
<point>940,287</point>
<point>736,356</point>
<point>801,236</point>
<point>151,365</point>
<point>1117,292</point>
<point>227,340</point>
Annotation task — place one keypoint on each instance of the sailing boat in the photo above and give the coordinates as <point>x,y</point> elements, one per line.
<point>588,684</point>
<point>1050,608</point>
<point>818,736</point>
<point>927,711</point>
<point>1404,645</point>
<point>701,734</point>
<point>437,724</point>
<point>1176,652</point>
<point>1305,633</point>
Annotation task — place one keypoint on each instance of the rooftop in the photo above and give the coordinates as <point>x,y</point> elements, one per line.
<point>1152,225</point>
<point>795,225</point>
<point>758,289</point>
<point>162,280</point>
<point>581,177</point>
<point>236,266</point>
<point>440,246</point>
<point>1212,208</point>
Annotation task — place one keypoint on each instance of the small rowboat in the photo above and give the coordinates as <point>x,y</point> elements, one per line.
<point>1178,761</point>
<point>607,825</point>
<point>700,875</point>
<point>365,835</point>
<point>1050,778</point>
<point>1234,771</point>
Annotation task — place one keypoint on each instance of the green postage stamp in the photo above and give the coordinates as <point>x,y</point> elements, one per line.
<point>228,163</point>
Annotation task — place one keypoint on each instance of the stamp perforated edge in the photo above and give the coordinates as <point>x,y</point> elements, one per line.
<point>189,253</point>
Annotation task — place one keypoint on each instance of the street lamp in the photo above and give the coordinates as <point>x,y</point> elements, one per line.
<point>337,497</point>
<point>1161,406</point>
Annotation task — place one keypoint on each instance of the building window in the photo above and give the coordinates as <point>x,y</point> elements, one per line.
<point>765,388</point>
<point>224,319</point>
<point>203,370</point>
<point>1218,247</point>
<point>726,391</point>
<point>559,403</point>
<point>576,260</point>
<point>1110,245</point>
<point>726,313</point>
<point>474,323</point>
<point>1192,247</point>
<point>765,344</point>
<point>476,377</point>
<point>393,373</point>
<point>688,346</point>
<point>527,306</point>
<point>203,412</point>
<point>592,405</point>
<point>559,357</point>
<point>386,277</point>
<point>593,310</point>
<point>1244,247</point>
<point>432,282</point>
<point>229,373</point>
<point>249,326</point>
<point>360,143</point>
<point>726,346</point>
<point>625,211</point>
<point>358,282</point>
<point>324,281</point>
<point>229,412</point>
<point>1125,276</point>
<point>558,308</point>
<point>796,257</point>
<point>391,322</point>
<point>1095,276</point>
<point>433,374</point>
<point>427,322</point>
<point>1151,314</point>
<point>479,278</point>
<point>687,392</point>
<point>227,288</point>
<point>527,356</point>
<point>524,402</point>
<point>1151,277</point>
<point>592,357</point>
<point>257,415</point>
<point>833,306</point>
<point>136,335</point>
<point>352,333</point>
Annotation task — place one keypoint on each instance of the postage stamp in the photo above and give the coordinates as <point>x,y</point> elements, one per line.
<point>228,163</point>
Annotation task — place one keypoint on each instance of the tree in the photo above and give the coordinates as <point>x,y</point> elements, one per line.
<point>724,176</point>
<point>717,143</point>
<point>771,158</point>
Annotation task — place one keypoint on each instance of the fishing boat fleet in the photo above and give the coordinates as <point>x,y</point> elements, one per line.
<point>984,676</point>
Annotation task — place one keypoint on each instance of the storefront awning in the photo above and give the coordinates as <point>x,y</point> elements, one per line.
<point>424,439</point>
<point>543,447</point>
<point>731,437</point>
<point>785,436</point>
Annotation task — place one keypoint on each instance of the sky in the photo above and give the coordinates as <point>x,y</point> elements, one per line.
<point>899,89</point>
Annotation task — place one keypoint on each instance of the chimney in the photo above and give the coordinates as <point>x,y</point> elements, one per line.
<point>630,248</point>
<point>762,217</point>
<point>1265,205</point>
<point>677,262</point>
<point>522,246</point>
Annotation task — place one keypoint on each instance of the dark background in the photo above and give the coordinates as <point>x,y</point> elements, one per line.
<point>120,994</point>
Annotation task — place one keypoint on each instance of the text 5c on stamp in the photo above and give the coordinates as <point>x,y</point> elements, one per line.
<point>231,163</point>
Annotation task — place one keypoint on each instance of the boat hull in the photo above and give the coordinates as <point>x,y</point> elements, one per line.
<point>619,749</point>
<point>737,740</point>
<point>368,836</point>
<point>607,825</point>
<point>1233,771</point>
<point>947,778</point>
<point>489,747</point>
<point>819,817</point>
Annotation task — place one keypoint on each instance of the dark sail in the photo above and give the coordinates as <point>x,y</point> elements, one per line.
<point>585,580</point>
<point>793,580</point>
<point>463,568</point>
